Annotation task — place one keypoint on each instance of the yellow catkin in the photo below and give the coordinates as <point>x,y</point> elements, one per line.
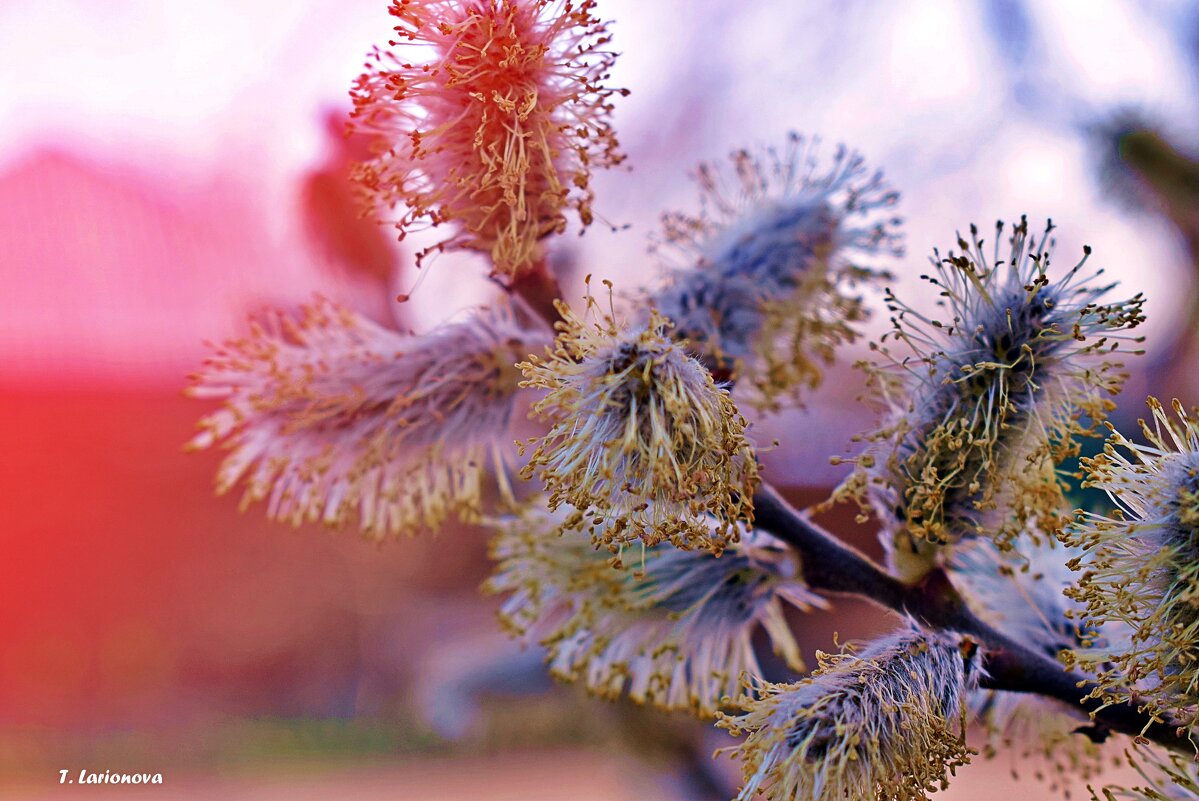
<point>985,404</point>
<point>643,443</point>
<point>1139,569</point>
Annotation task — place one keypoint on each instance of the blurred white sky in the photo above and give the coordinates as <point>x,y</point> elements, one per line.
<point>229,93</point>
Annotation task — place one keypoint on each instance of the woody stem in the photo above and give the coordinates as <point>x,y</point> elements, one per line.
<point>832,566</point>
<point>537,289</point>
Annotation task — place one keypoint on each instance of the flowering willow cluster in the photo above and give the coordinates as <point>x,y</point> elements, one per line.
<point>636,536</point>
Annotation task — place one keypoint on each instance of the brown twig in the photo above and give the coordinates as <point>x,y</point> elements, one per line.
<point>832,566</point>
<point>537,289</point>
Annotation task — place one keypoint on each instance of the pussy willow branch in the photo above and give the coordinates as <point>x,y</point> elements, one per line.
<point>832,566</point>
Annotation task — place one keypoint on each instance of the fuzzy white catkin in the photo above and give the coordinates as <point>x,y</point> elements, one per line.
<point>984,404</point>
<point>764,285</point>
<point>332,418</point>
<point>887,724</point>
<point>672,628</point>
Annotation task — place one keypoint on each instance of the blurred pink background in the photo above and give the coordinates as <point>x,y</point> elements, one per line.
<point>166,168</point>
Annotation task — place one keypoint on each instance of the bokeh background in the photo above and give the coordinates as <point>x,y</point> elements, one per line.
<point>168,168</point>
